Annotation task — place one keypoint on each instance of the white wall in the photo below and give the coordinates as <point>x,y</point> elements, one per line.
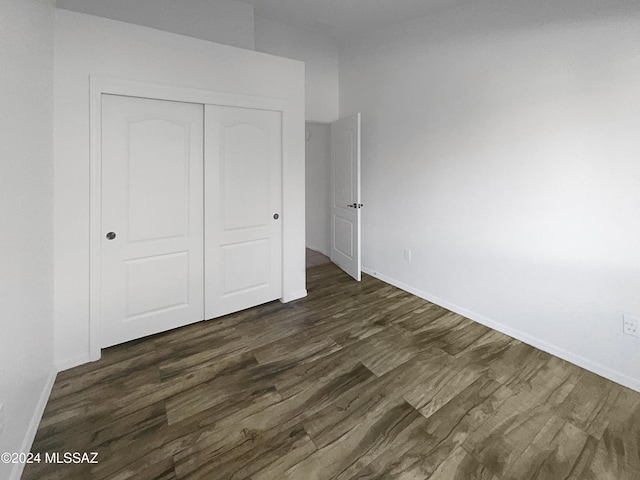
<point>222,21</point>
<point>318,200</point>
<point>26,243</point>
<point>320,54</point>
<point>232,23</point>
<point>501,145</point>
<point>87,45</point>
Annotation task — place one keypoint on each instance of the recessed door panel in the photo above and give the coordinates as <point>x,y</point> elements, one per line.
<point>244,266</point>
<point>245,152</point>
<point>243,201</point>
<point>343,237</point>
<point>158,192</point>
<point>152,217</point>
<point>343,174</point>
<point>169,275</point>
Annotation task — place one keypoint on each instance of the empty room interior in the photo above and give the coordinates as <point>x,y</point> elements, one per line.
<point>310,239</point>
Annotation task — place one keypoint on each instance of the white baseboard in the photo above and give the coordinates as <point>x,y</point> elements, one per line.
<point>30,435</point>
<point>598,369</point>
<point>290,297</point>
<point>72,362</point>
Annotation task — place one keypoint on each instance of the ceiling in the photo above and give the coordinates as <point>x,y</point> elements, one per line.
<point>344,18</point>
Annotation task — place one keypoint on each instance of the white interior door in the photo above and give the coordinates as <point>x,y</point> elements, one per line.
<point>152,217</point>
<point>345,195</point>
<point>243,202</point>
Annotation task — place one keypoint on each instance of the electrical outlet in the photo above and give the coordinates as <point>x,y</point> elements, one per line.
<point>407,255</point>
<point>631,325</point>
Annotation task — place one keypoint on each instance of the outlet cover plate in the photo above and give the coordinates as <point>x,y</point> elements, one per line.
<point>631,325</point>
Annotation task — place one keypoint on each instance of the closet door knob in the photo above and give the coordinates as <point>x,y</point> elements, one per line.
<point>111,235</point>
<point>276,216</point>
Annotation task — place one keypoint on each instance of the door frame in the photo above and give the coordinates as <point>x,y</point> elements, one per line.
<point>100,85</point>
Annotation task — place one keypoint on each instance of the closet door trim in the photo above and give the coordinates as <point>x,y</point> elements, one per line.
<point>98,86</point>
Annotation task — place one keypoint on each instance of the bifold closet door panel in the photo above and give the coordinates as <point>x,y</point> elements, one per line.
<point>152,217</point>
<point>243,203</point>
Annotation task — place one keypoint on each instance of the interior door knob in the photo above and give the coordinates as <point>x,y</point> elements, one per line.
<point>111,235</point>
<point>276,216</point>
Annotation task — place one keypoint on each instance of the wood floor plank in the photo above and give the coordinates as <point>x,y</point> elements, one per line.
<point>85,378</point>
<point>236,381</point>
<point>186,354</point>
<point>285,460</point>
<point>506,434</point>
<point>424,314</point>
<point>487,351</point>
<point>461,336</point>
<point>338,418</point>
<point>517,365</point>
<point>356,448</point>
<point>308,375</point>
<point>443,433</point>
<point>233,429</point>
<point>447,381</point>
<point>384,350</point>
<point>552,454</point>
<point>359,380</point>
<point>259,456</point>
<point>611,457</point>
<point>302,347</point>
<point>460,465</point>
<point>115,434</point>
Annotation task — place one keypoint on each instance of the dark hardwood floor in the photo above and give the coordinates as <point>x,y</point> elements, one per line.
<point>356,381</point>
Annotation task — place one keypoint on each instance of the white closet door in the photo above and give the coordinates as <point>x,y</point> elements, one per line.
<point>152,217</point>
<point>243,202</point>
